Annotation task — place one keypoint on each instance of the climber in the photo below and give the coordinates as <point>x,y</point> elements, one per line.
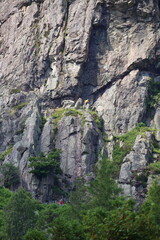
<point>61,202</point>
<point>86,101</point>
<point>86,104</point>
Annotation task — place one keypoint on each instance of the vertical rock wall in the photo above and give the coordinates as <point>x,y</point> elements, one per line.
<point>106,51</point>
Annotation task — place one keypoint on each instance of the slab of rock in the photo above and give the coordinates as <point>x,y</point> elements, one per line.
<point>124,103</point>
<point>134,165</point>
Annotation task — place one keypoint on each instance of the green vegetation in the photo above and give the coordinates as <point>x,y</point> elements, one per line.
<point>10,174</point>
<point>15,90</point>
<point>20,214</point>
<point>154,94</point>
<point>43,165</point>
<point>5,196</point>
<point>37,40</point>
<point>5,153</point>
<point>155,147</point>
<point>96,212</point>
<point>127,141</point>
<point>73,112</point>
<point>35,235</point>
<point>20,106</point>
<point>97,119</point>
<point>60,112</point>
<point>154,167</point>
<point>57,191</point>
<point>142,178</point>
<point>46,33</point>
<point>37,46</point>
<point>43,121</point>
<point>57,116</point>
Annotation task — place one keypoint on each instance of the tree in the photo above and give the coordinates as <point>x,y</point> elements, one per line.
<point>20,214</point>
<point>153,203</point>
<point>150,211</point>
<point>43,165</point>
<point>64,229</point>
<point>10,174</point>
<point>34,234</point>
<point>80,198</point>
<point>104,189</point>
<point>5,195</point>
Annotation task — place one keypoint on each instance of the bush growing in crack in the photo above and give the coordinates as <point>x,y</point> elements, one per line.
<point>98,120</point>
<point>5,153</point>
<point>154,94</point>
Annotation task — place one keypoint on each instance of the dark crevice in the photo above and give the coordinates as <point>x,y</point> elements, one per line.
<point>65,26</point>
<point>98,45</point>
<point>8,16</point>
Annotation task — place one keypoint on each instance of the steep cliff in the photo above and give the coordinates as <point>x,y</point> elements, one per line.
<point>55,54</point>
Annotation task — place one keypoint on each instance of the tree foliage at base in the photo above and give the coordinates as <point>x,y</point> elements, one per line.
<point>96,212</point>
<point>20,214</point>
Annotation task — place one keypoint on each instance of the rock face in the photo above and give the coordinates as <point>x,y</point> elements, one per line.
<point>124,104</point>
<point>62,52</point>
<point>80,143</point>
<point>133,167</point>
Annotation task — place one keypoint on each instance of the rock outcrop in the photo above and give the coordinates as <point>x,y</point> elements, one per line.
<point>80,142</point>
<point>133,178</point>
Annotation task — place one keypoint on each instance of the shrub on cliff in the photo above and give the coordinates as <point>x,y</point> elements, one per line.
<point>10,174</point>
<point>44,165</point>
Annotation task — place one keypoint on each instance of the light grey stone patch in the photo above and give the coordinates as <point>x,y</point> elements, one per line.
<point>125,172</point>
<point>128,190</point>
<point>46,140</point>
<point>68,140</point>
<point>124,103</point>
<point>68,104</point>
<point>134,164</point>
<point>52,81</point>
<point>78,103</point>
<point>80,145</point>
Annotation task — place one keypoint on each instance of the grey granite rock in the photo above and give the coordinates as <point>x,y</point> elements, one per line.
<point>123,105</point>
<point>80,141</point>
<point>134,165</point>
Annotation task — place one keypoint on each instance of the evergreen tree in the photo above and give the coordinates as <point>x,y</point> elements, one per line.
<point>5,195</point>
<point>20,214</point>
<point>34,234</point>
<point>104,189</point>
<point>10,174</point>
<point>80,198</point>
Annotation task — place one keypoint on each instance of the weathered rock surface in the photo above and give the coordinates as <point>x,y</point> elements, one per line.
<point>80,142</point>
<point>123,105</point>
<point>56,52</point>
<point>133,168</point>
